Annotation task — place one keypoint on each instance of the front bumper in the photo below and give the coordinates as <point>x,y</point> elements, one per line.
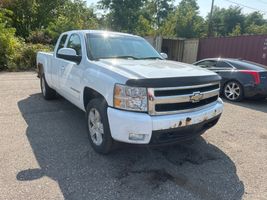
<point>124,123</point>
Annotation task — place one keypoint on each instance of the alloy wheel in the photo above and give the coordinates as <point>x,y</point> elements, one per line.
<point>232,91</point>
<point>96,127</point>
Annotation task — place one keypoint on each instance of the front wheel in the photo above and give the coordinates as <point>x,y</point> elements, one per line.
<point>98,126</point>
<point>233,91</point>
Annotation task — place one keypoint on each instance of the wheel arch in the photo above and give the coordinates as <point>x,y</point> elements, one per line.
<point>40,69</point>
<point>90,94</point>
<point>231,80</point>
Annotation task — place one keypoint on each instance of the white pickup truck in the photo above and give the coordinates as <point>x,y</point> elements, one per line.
<point>129,91</point>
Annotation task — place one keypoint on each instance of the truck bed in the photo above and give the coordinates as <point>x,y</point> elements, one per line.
<point>44,59</point>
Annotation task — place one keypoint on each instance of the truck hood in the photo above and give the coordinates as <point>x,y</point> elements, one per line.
<point>151,69</point>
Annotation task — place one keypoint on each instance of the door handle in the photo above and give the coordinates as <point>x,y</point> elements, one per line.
<point>62,68</point>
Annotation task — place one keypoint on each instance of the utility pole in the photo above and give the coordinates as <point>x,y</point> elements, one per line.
<point>210,20</point>
<point>157,13</point>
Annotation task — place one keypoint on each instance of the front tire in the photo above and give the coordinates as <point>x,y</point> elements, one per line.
<point>233,91</point>
<point>48,93</point>
<point>98,126</point>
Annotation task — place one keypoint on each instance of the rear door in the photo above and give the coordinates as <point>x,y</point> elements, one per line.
<point>222,66</point>
<point>225,70</point>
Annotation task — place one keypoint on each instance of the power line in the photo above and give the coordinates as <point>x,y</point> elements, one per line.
<point>245,6</point>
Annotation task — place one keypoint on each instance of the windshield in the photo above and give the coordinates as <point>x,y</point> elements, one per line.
<point>101,46</point>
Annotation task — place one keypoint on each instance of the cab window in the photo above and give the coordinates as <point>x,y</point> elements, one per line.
<point>222,64</point>
<point>75,43</point>
<point>62,42</point>
<point>207,63</point>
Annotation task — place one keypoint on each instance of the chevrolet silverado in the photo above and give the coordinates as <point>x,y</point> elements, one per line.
<point>129,91</point>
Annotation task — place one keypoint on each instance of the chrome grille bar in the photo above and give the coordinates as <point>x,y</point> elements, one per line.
<point>190,97</point>
<point>184,98</point>
<point>186,87</point>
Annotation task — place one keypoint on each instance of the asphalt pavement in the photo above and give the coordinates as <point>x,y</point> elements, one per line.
<point>45,154</point>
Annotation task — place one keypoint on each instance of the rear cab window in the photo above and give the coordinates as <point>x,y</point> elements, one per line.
<point>62,42</point>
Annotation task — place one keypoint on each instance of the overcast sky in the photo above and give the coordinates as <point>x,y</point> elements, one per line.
<point>205,5</point>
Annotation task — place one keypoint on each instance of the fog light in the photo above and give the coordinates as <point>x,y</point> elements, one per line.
<point>135,136</point>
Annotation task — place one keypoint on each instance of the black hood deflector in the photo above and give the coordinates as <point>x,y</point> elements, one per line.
<point>173,81</point>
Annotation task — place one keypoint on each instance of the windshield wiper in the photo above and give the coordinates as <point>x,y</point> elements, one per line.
<point>132,57</point>
<point>152,57</point>
<point>114,57</point>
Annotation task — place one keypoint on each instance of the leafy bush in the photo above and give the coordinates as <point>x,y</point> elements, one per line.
<point>8,42</point>
<point>8,45</point>
<point>15,54</point>
<point>39,37</point>
<point>25,56</point>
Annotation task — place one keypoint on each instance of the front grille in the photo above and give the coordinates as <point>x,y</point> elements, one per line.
<point>181,99</point>
<point>183,106</point>
<point>184,91</point>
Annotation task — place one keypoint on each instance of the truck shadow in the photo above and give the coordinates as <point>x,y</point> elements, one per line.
<point>58,137</point>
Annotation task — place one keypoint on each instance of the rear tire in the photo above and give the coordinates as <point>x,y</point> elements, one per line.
<point>98,126</point>
<point>48,93</point>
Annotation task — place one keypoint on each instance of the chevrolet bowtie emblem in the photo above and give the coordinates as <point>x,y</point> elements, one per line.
<point>196,97</point>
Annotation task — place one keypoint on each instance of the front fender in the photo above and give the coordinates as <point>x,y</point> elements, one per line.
<point>102,81</point>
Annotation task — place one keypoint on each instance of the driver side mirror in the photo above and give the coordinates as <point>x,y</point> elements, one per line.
<point>69,54</point>
<point>164,55</point>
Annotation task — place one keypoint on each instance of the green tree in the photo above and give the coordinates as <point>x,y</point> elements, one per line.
<point>29,15</point>
<point>255,24</point>
<point>236,31</point>
<point>78,16</point>
<point>143,27</point>
<point>225,20</point>
<point>23,16</point>
<point>185,21</point>
<point>123,14</point>
<point>233,17</point>
<point>168,27</point>
<point>157,11</point>
<point>254,18</point>
<point>189,23</point>
<point>47,11</point>
<point>257,29</point>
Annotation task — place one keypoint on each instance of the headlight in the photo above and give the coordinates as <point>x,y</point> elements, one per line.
<point>130,98</point>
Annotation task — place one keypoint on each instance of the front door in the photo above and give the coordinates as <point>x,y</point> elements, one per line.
<point>57,63</point>
<point>71,72</point>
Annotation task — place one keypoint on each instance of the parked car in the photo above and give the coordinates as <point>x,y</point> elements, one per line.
<point>240,78</point>
<point>129,92</point>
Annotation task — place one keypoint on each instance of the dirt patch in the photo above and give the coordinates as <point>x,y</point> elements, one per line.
<point>263,137</point>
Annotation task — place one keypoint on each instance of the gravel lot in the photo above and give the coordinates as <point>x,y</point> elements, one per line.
<point>45,154</point>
